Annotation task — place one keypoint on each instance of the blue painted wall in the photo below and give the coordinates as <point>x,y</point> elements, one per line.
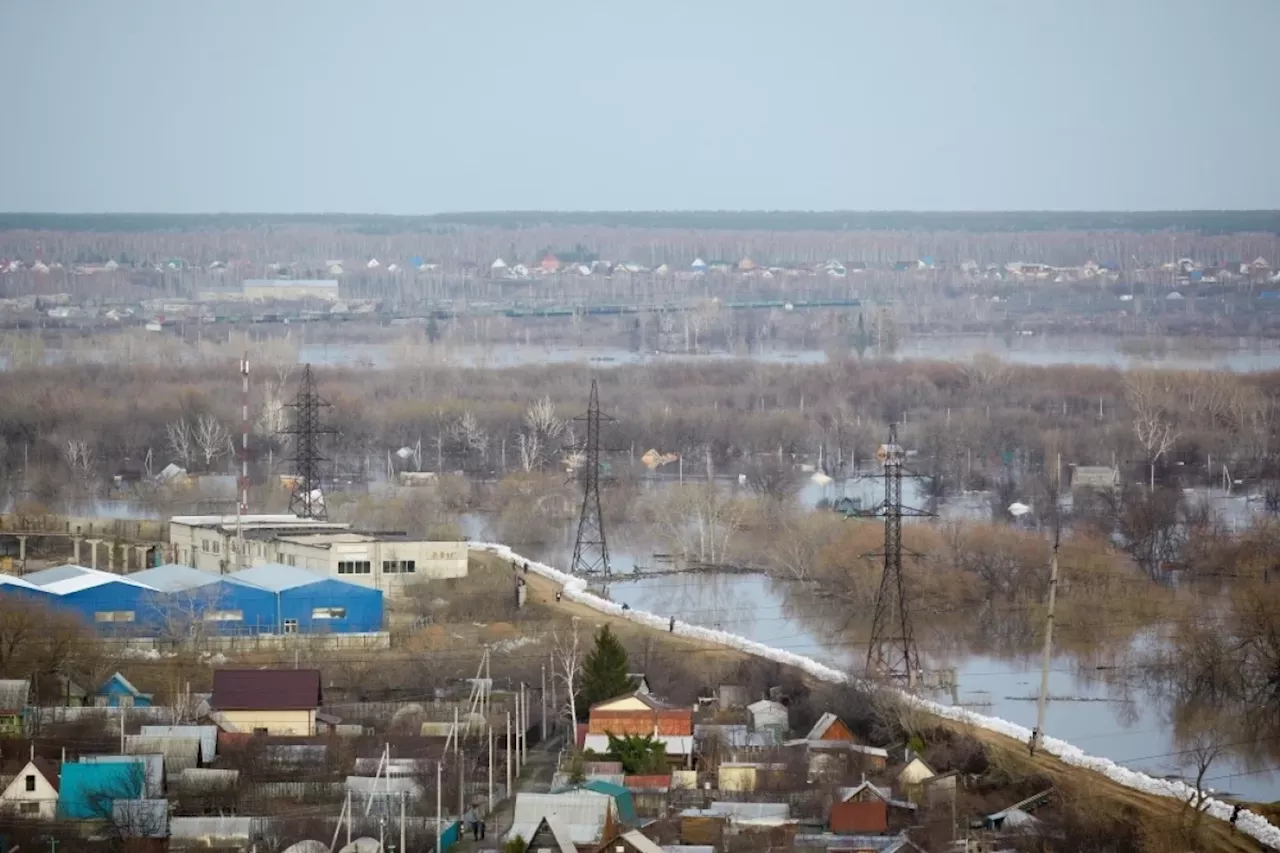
<point>85,791</point>
<point>363,606</point>
<point>113,596</point>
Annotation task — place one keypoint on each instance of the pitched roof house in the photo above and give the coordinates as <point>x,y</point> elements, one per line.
<point>267,701</point>
<point>640,714</point>
<point>830,727</point>
<point>587,818</point>
<point>33,793</point>
<point>118,691</point>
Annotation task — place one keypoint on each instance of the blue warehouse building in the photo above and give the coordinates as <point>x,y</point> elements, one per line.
<point>311,603</point>
<point>113,603</point>
<point>172,600</point>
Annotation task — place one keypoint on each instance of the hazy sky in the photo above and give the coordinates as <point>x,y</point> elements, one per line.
<point>421,106</point>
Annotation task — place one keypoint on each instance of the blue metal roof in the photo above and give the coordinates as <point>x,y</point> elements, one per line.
<point>276,577</point>
<point>173,577</point>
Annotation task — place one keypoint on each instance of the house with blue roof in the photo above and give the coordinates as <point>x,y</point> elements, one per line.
<point>118,692</point>
<point>87,791</point>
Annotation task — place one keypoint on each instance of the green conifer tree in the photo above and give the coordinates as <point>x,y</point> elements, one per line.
<point>604,673</point>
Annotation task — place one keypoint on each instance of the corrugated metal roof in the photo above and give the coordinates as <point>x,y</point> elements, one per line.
<point>751,811</point>
<point>14,693</point>
<point>213,828</point>
<point>584,814</point>
<point>641,842</point>
<point>141,818</point>
<point>266,689</point>
<point>276,577</point>
<point>208,736</point>
<point>88,579</point>
<point>19,583</point>
<point>180,753</point>
<point>206,778</point>
<point>172,577</point>
<point>56,573</point>
<point>383,786</point>
<point>87,788</point>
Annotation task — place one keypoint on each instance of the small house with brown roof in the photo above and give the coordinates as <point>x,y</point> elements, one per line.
<point>640,714</point>
<point>33,793</point>
<point>267,701</point>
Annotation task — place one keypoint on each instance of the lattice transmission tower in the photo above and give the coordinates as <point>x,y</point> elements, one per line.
<point>893,653</point>
<point>307,499</point>
<point>591,550</point>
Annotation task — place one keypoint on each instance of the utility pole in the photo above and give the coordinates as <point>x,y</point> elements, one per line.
<point>508,753</point>
<point>591,549</point>
<point>403,848</point>
<point>542,697</point>
<point>490,777</point>
<point>524,727</point>
<point>439,803</point>
<point>1042,701</point>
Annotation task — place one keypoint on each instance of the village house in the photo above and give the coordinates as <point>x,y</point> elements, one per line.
<point>33,793</point>
<point>118,692</point>
<point>912,777</point>
<point>583,819</point>
<point>267,701</point>
<point>640,714</point>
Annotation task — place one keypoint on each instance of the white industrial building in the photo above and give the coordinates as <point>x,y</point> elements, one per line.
<point>385,561</point>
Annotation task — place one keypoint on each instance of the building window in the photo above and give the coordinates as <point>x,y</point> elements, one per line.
<point>293,561</point>
<point>28,808</point>
<point>291,626</point>
<point>31,781</point>
<point>391,567</point>
<point>354,567</point>
<point>224,616</point>
<point>113,616</point>
<point>215,547</point>
<point>329,613</point>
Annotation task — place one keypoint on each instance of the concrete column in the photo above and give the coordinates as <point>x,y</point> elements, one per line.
<point>111,556</point>
<point>142,556</point>
<point>93,552</point>
<point>22,552</point>
<point>75,543</point>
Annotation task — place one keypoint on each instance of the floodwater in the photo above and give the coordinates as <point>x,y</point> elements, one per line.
<point>1242,355</point>
<point>1127,725</point>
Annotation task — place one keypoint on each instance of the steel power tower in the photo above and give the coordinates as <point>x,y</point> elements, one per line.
<point>591,550</point>
<point>307,499</point>
<point>892,652</point>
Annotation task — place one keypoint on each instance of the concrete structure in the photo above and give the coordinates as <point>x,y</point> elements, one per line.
<point>33,793</point>
<point>263,289</point>
<point>267,701</point>
<point>385,561</point>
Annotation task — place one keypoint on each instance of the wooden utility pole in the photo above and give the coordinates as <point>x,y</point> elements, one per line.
<point>542,697</point>
<point>439,805</point>
<point>1043,700</point>
<point>508,753</point>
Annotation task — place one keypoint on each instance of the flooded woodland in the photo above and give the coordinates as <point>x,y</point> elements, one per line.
<point>724,475</point>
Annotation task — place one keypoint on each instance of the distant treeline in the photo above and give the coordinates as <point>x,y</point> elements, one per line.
<point>1199,221</point>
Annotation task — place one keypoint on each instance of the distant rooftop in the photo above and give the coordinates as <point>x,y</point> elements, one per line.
<point>62,580</point>
<point>259,522</point>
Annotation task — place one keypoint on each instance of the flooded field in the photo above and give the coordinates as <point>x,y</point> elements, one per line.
<point>1235,354</point>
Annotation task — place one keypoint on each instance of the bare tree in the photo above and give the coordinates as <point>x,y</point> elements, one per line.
<point>181,441</point>
<point>530,450</point>
<point>81,459</point>
<point>567,654</point>
<point>212,439</point>
<point>1153,426</point>
<point>469,432</point>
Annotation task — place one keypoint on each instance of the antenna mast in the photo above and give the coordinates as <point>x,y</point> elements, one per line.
<point>307,499</point>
